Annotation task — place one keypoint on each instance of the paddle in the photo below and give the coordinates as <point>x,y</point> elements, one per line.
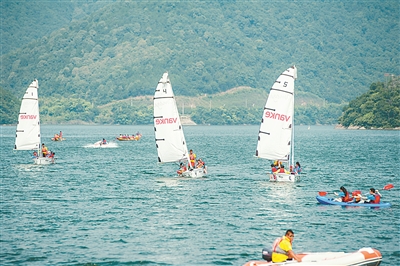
<point>388,187</point>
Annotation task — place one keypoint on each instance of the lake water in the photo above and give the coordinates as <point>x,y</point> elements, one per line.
<point>117,206</point>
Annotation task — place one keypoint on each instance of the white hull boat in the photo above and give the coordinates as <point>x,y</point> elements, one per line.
<point>196,172</point>
<point>282,177</point>
<point>362,257</point>
<point>276,134</point>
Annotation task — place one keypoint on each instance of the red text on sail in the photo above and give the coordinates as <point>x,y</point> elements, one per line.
<point>27,116</point>
<point>276,116</point>
<point>160,121</point>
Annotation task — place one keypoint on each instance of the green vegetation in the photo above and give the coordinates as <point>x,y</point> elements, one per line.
<point>377,108</point>
<point>98,61</point>
<point>121,50</point>
<point>9,107</point>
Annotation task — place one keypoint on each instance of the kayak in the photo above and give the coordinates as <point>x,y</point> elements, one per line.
<point>362,257</point>
<point>330,201</point>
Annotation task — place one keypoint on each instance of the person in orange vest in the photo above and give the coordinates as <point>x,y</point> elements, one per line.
<point>192,158</point>
<point>44,150</point>
<point>373,197</point>
<point>344,195</point>
<point>283,170</point>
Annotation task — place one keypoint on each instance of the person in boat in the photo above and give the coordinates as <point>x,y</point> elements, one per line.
<point>283,170</point>
<point>192,158</point>
<point>373,197</point>
<point>44,150</point>
<point>282,248</point>
<point>60,135</point>
<point>273,169</point>
<point>181,169</point>
<point>56,137</point>
<point>200,163</point>
<point>103,142</point>
<point>51,154</point>
<point>343,194</point>
<point>35,154</point>
<point>278,164</point>
<point>297,168</point>
<point>357,199</point>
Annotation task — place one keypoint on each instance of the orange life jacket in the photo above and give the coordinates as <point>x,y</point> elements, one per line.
<point>346,198</point>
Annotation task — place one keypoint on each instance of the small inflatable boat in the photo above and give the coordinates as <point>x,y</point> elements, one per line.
<point>330,201</point>
<point>362,257</point>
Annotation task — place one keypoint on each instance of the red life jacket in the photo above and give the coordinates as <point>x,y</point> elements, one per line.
<point>377,199</point>
<point>346,198</point>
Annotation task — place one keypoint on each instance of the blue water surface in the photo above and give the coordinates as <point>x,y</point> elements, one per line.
<point>118,206</point>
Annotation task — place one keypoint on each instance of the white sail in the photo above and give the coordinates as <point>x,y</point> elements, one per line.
<point>170,140</point>
<point>28,128</point>
<point>275,138</point>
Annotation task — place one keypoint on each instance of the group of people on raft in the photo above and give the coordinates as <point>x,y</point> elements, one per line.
<point>45,153</point>
<point>193,163</point>
<point>278,167</point>
<point>136,136</point>
<point>373,197</point>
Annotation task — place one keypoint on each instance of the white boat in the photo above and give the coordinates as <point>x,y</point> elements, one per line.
<point>28,128</point>
<point>362,257</point>
<point>170,140</point>
<point>276,134</point>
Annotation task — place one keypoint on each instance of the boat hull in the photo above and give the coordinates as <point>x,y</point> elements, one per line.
<point>282,177</point>
<point>362,257</point>
<point>330,201</point>
<point>59,139</point>
<point>43,160</point>
<point>197,172</point>
<point>127,139</point>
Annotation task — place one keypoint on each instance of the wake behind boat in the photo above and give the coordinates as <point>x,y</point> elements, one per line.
<point>331,201</point>
<point>28,128</point>
<point>362,257</point>
<point>276,134</point>
<point>103,144</point>
<point>170,140</point>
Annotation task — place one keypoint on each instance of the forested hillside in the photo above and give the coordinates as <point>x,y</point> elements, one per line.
<point>23,21</point>
<point>377,108</point>
<point>121,50</point>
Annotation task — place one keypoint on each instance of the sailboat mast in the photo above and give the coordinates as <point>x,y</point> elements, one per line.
<point>292,140</point>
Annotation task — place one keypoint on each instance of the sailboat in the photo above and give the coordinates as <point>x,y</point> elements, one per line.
<point>28,128</point>
<point>276,134</point>
<point>170,140</point>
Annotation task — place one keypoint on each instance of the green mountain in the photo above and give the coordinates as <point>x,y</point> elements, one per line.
<point>111,51</point>
<point>377,108</point>
<point>23,21</point>
<point>9,107</point>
